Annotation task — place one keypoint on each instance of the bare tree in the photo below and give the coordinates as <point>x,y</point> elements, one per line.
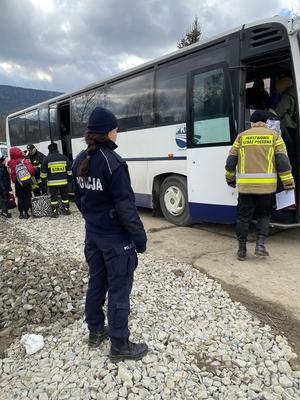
<point>192,36</point>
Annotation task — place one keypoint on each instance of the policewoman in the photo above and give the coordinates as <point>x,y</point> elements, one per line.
<point>114,234</point>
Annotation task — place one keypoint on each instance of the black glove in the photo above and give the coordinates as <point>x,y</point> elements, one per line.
<point>232,184</point>
<point>141,247</point>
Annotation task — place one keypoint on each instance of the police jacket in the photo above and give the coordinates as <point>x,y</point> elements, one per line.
<point>106,199</point>
<point>5,186</point>
<point>56,168</point>
<point>259,154</point>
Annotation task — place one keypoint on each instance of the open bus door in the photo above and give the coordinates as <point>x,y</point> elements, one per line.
<point>64,127</point>
<point>260,67</point>
<point>269,73</point>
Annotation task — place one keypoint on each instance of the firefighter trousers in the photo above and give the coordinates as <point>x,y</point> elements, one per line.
<point>111,261</point>
<point>256,206</point>
<point>64,194</point>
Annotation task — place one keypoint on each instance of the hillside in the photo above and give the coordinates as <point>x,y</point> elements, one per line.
<point>13,98</point>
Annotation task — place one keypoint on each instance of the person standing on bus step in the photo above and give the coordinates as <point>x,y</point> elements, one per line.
<point>259,153</point>
<point>56,169</point>
<point>36,158</point>
<point>5,188</point>
<point>114,234</point>
<point>23,192</point>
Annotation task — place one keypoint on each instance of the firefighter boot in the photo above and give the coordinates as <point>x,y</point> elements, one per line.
<point>242,251</point>
<point>54,211</point>
<point>66,210</point>
<point>128,351</point>
<point>260,249</point>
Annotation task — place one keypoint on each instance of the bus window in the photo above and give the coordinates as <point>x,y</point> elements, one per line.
<point>171,93</point>
<point>54,133</point>
<point>132,101</point>
<point>32,127</point>
<point>81,108</point>
<point>210,108</point>
<point>17,131</point>
<point>44,124</point>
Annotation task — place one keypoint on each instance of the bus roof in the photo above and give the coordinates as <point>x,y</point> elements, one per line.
<point>140,68</point>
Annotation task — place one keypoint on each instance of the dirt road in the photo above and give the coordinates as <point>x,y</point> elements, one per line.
<point>268,287</point>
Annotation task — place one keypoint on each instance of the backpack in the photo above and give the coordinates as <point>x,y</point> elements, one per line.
<point>22,173</point>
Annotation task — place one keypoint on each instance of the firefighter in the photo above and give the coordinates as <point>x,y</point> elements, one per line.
<point>36,158</point>
<point>114,234</point>
<point>259,154</point>
<point>56,170</point>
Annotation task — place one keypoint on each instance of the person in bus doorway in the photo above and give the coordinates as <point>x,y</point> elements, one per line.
<point>5,188</point>
<point>257,96</point>
<point>23,191</point>
<point>286,110</point>
<point>56,170</point>
<point>259,154</point>
<point>114,234</point>
<point>36,158</point>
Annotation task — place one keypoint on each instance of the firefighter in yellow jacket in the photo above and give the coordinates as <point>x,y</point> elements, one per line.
<point>260,155</point>
<point>56,169</point>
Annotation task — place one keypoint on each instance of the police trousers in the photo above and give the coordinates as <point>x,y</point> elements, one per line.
<point>111,262</point>
<point>250,206</point>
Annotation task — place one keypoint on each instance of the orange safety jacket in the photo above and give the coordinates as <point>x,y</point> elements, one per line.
<point>260,155</point>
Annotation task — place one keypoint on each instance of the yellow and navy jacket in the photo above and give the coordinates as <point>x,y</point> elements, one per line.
<point>37,160</point>
<point>56,169</point>
<point>260,156</point>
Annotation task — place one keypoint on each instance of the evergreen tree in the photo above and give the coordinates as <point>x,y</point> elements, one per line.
<point>193,36</point>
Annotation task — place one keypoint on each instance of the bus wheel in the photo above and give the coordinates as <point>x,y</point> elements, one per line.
<point>173,200</point>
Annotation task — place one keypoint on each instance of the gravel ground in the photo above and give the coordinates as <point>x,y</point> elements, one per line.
<point>202,344</point>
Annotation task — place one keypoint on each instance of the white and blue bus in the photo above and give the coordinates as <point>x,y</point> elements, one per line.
<point>178,116</point>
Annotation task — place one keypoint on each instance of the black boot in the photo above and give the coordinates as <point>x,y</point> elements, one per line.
<point>96,338</point>
<point>5,214</point>
<point>128,351</point>
<point>260,249</point>
<point>242,251</point>
<point>66,210</point>
<point>54,212</point>
<point>21,216</point>
<point>26,215</point>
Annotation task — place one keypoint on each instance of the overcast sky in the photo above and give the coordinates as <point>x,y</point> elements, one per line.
<point>66,44</point>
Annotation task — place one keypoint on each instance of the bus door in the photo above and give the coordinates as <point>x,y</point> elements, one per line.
<point>264,72</point>
<point>210,134</point>
<point>64,127</point>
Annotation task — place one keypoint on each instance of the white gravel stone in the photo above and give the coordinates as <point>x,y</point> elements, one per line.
<point>284,367</point>
<point>124,374</point>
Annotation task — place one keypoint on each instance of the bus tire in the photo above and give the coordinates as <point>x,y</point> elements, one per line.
<point>173,199</point>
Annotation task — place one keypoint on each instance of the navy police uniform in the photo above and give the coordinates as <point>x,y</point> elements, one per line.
<point>114,232</point>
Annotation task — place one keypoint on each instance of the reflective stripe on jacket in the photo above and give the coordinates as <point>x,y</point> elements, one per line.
<point>56,168</point>
<point>260,155</point>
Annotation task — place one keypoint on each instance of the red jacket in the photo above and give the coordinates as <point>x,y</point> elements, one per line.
<point>16,156</point>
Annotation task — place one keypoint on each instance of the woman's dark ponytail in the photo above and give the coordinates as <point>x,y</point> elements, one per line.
<point>91,140</point>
